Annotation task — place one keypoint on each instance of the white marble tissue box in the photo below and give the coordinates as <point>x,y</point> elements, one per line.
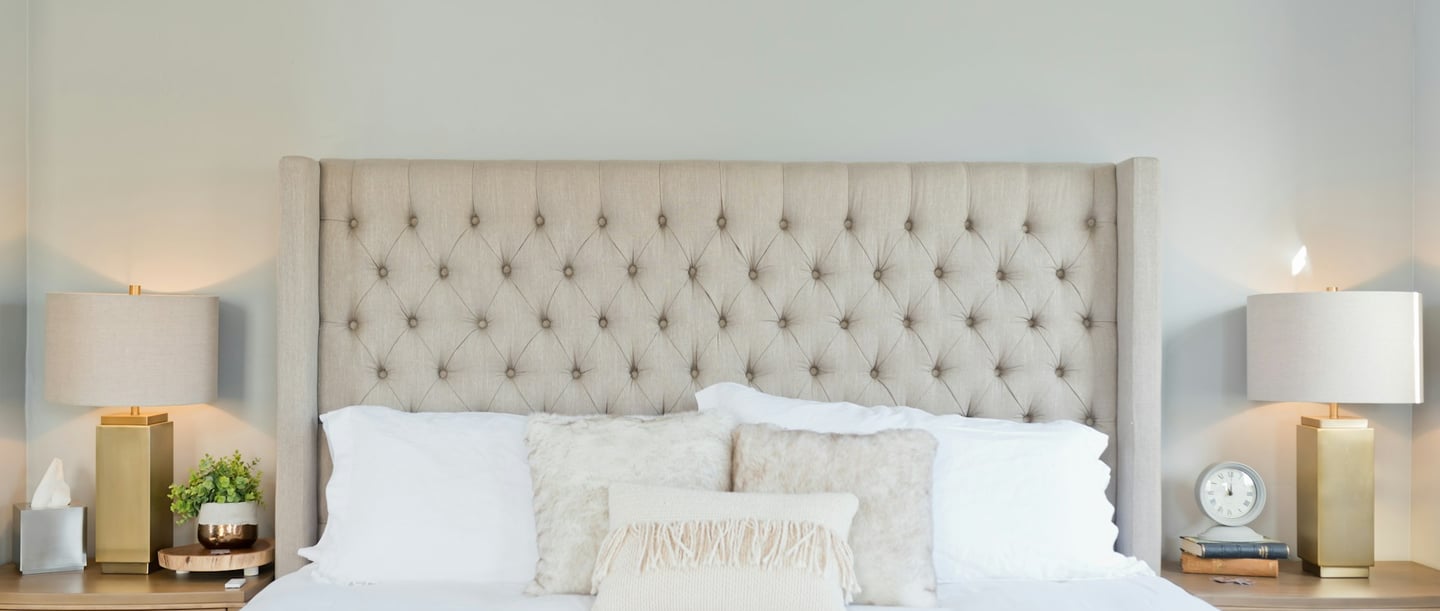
<point>50,540</point>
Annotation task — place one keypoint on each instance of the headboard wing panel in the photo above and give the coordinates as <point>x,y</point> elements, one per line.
<point>623,287</point>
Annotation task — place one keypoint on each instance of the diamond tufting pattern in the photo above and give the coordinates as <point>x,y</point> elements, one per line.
<point>623,287</point>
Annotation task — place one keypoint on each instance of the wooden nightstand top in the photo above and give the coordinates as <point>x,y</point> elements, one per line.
<point>1392,585</point>
<point>92,589</point>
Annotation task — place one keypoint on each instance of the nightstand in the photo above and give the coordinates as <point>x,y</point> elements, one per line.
<point>93,590</point>
<point>1392,585</point>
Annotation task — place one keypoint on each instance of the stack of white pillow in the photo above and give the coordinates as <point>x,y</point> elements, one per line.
<point>449,496</point>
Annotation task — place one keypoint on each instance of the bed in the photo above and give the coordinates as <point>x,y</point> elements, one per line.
<point>1026,292</point>
<point>1139,593</point>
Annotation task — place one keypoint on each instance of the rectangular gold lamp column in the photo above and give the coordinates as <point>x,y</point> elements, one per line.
<point>1335,500</point>
<point>134,463</point>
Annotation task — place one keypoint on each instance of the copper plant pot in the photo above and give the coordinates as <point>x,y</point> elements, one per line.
<point>227,525</point>
<point>227,536</point>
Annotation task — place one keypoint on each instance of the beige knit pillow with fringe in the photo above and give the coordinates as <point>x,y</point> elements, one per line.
<point>696,550</point>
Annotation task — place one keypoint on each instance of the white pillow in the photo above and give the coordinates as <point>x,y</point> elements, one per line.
<point>672,549</point>
<point>1011,500</point>
<point>426,497</point>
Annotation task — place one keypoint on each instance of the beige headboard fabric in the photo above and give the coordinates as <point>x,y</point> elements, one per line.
<point>1018,291</point>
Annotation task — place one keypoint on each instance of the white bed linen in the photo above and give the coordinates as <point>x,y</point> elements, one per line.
<point>300,591</point>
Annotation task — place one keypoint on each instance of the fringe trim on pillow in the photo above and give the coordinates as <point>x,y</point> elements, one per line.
<point>767,544</point>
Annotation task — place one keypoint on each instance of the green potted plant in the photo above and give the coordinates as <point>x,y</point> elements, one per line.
<point>223,496</point>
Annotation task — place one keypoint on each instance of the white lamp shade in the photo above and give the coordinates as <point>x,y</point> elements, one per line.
<point>131,350</point>
<point>1335,347</point>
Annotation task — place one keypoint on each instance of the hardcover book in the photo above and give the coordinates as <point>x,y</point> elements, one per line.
<point>1243,567</point>
<point>1207,548</point>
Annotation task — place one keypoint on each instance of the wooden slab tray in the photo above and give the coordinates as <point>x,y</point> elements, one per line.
<point>195,557</point>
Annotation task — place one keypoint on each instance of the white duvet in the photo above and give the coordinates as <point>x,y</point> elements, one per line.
<point>300,591</point>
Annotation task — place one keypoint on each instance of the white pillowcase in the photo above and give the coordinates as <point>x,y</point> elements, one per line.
<point>1011,500</point>
<point>426,497</point>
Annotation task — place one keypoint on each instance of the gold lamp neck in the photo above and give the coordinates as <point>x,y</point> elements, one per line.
<point>135,409</point>
<point>1334,407</point>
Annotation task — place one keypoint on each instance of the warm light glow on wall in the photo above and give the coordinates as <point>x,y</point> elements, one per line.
<point>156,265</point>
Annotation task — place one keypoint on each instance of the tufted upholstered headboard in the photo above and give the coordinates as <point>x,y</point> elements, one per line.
<point>1018,291</point>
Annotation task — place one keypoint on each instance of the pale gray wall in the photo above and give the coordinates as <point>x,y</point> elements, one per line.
<point>156,126</point>
<point>1425,523</point>
<point>13,19</point>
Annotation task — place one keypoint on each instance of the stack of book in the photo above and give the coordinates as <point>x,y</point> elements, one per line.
<point>1248,559</point>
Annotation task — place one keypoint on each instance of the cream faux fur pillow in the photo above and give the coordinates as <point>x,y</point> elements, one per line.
<point>672,549</point>
<point>890,472</point>
<point>573,461</point>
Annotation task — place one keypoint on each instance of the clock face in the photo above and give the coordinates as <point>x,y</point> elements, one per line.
<point>1230,493</point>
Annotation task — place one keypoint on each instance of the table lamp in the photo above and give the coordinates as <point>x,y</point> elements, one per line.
<point>1335,347</point>
<point>138,351</point>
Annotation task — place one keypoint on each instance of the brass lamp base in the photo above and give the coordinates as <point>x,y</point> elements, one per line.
<point>134,463</point>
<point>1335,496</point>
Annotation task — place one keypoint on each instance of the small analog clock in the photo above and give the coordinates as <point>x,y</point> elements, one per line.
<point>1232,494</point>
